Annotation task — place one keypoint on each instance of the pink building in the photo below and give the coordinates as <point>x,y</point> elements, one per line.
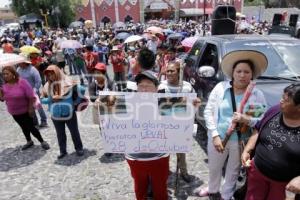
<point>141,10</point>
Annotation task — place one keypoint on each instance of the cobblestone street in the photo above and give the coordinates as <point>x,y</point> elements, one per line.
<point>36,174</point>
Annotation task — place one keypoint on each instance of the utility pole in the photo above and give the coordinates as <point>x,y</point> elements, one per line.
<point>93,13</point>
<point>204,7</point>
<point>142,12</point>
<point>117,10</point>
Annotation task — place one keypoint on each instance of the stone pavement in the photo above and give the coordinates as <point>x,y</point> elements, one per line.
<point>36,174</point>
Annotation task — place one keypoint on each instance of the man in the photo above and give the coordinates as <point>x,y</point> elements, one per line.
<point>31,74</point>
<point>149,165</point>
<point>90,59</point>
<point>173,84</point>
<point>117,59</point>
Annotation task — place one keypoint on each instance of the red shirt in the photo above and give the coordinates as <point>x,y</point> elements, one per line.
<point>90,59</point>
<point>117,60</point>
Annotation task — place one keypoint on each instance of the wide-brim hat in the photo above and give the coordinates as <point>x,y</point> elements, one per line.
<point>27,60</point>
<point>146,75</point>
<point>258,59</point>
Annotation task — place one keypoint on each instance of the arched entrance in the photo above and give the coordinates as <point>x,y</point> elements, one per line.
<point>128,18</point>
<point>105,20</point>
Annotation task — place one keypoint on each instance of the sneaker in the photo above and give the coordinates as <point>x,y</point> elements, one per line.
<point>45,145</point>
<point>80,152</point>
<point>186,177</point>
<point>27,145</point>
<point>43,125</point>
<point>62,155</point>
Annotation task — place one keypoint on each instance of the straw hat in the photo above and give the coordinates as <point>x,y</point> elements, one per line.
<point>27,60</point>
<point>258,59</point>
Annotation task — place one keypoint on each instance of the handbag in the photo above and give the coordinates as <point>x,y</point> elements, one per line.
<point>241,184</point>
<point>81,102</point>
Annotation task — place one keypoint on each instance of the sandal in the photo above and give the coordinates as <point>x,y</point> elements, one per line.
<point>203,192</point>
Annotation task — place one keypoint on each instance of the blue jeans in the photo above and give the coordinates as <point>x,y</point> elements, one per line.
<point>61,133</point>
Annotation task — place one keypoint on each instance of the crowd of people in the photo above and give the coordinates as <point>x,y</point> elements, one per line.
<point>153,64</point>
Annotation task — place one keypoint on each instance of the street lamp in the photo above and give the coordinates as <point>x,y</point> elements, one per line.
<point>56,12</point>
<point>45,16</point>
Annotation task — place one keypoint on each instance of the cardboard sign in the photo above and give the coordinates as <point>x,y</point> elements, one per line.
<point>146,122</point>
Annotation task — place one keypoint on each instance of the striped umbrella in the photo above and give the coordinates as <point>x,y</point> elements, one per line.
<point>189,42</point>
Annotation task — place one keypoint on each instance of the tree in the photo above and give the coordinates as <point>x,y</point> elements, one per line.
<point>60,12</point>
<point>273,3</point>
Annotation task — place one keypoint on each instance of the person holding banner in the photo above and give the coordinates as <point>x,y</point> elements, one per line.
<point>274,171</point>
<point>149,165</point>
<point>241,67</point>
<point>173,84</point>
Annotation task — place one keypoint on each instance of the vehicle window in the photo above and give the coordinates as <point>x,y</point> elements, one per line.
<point>283,56</point>
<point>195,51</point>
<point>210,56</point>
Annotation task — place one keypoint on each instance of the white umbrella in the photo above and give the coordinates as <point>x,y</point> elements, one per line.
<point>10,59</point>
<point>133,38</point>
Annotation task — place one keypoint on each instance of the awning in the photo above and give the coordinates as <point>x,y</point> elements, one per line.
<point>194,11</point>
<point>158,6</point>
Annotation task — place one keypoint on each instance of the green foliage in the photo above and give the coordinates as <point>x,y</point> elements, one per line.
<point>254,2</point>
<point>61,12</point>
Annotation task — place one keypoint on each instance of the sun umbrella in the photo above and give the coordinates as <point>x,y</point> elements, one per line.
<point>10,59</point>
<point>175,36</point>
<point>29,49</point>
<point>133,38</point>
<point>119,25</point>
<point>147,36</point>
<point>154,22</point>
<point>76,24</point>
<point>70,44</point>
<point>189,42</point>
<point>122,36</point>
<point>154,30</point>
<point>88,23</point>
<point>168,31</point>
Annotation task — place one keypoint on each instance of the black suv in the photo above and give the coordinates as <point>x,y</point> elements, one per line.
<point>203,69</point>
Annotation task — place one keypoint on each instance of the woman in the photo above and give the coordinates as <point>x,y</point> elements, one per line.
<point>59,90</point>
<point>241,67</point>
<point>19,98</point>
<point>276,141</point>
<point>173,84</point>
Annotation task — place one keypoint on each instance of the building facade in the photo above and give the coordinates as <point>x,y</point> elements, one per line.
<point>103,11</point>
<point>7,16</point>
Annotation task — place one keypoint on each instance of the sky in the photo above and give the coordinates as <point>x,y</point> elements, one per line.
<point>4,2</point>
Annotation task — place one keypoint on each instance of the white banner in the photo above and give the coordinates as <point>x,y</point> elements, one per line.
<point>146,122</point>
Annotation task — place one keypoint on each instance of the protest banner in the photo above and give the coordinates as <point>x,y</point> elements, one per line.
<point>146,122</point>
